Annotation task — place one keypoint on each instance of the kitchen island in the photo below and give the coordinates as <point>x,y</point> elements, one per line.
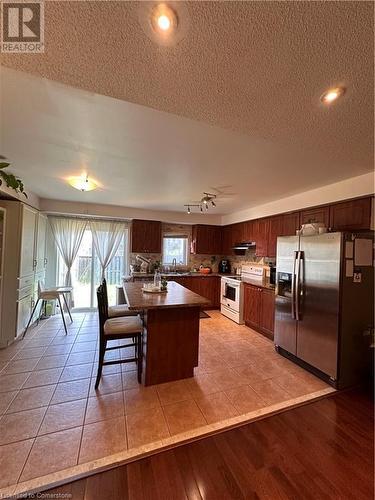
<point>171,338</point>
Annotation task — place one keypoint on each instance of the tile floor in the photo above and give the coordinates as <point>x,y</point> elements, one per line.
<point>51,417</point>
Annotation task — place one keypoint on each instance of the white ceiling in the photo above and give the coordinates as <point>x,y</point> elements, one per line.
<point>254,69</point>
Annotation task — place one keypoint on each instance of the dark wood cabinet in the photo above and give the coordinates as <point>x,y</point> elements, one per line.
<point>352,215</point>
<point>226,241</point>
<point>261,229</point>
<point>275,230</point>
<point>207,286</point>
<point>146,236</point>
<point>206,239</point>
<point>259,309</point>
<point>247,231</point>
<point>267,312</point>
<point>291,222</point>
<point>251,305</point>
<point>315,214</point>
<point>231,235</point>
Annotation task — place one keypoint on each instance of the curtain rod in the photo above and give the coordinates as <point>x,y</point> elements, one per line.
<point>86,217</point>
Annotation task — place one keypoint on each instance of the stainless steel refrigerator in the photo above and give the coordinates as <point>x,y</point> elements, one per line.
<point>325,304</point>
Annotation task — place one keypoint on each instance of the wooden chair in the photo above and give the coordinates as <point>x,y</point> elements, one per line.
<point>130,327</point>
<point>119,310</point>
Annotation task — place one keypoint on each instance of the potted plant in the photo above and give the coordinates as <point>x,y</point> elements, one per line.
<point>11,180</point>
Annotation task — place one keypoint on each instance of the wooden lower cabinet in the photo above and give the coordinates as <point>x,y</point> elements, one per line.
<point>259,309</point>
<point>267,312</point>
<point>207,286</point>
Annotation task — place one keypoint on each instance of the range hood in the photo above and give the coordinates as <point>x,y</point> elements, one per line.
<point>245,245</point>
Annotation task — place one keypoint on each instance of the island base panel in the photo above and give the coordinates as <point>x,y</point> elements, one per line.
<point>171,344</point>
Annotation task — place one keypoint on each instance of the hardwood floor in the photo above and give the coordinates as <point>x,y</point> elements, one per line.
<point>323,450</point>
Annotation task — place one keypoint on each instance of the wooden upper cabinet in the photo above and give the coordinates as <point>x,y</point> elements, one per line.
<point>206,239</point>
<point>146,236</point>
<point>351,215</point>
<point>232,234</point>
<point>291,222</point>
<point>316,214</point>
<point>238,233</point>
<point>261,229</point>
<point>275,230</point>
<point>247,231</point>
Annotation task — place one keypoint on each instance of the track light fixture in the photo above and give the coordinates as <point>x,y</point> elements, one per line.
<point>189,207</point>
<point>206,200</point>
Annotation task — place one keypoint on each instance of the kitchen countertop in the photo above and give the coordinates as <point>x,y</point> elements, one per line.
<point>176,297</point>
<point>263,284</point>
<point>175,275</point>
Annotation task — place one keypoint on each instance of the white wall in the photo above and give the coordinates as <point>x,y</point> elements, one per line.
<point>362,185</point>
<point>74,208</point>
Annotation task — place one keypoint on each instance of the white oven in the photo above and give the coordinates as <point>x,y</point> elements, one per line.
<point>231,298</point>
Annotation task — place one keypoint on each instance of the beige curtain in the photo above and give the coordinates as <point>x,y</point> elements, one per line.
<point>68,234</point>
<point>107,236</point>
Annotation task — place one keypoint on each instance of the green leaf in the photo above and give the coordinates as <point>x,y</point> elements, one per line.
<point>11,180</point>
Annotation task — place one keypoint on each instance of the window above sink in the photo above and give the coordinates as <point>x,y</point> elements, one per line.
<point>175,246</point>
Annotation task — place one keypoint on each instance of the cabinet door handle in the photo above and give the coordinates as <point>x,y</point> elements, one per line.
<point>45,261</point>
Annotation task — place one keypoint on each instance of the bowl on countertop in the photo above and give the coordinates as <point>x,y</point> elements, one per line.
<point>205,270</point>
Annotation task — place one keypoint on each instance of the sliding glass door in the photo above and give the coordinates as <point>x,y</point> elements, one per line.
<point>86,272</point>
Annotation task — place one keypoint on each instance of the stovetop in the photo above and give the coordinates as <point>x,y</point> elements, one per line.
<point>235,277</point>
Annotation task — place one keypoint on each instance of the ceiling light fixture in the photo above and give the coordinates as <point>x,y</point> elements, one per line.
<point>189,207</point>
<point>205,202</point>
<point>164,19</point>
<point>332,95</point>
<point>83,183</point>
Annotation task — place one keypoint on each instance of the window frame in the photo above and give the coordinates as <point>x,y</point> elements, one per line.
<point>182,236</point>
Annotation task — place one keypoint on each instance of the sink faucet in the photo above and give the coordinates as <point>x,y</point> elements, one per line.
<point>174,264</point>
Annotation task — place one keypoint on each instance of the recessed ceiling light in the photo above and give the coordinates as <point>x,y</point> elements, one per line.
<point>83,183</point>
<point>163,19</point>
<point>163,22</point>
<point>332,94</point>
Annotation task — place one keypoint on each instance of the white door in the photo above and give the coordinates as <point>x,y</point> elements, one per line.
<point>27,263</point>
<point>40,243</point>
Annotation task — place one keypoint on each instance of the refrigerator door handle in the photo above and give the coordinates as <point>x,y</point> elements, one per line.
<point>294,286</point>
<point>298,285</point>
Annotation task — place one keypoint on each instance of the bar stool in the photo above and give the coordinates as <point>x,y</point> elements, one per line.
<point>119,310</point>
<point>45,294</point>
<point>130,327</point>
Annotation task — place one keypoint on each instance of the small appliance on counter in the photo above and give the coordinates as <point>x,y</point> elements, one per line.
<point>145,263</point>
<point>224,266</point>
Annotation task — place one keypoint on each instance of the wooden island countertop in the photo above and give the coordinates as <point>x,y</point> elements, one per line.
<point>176,296</point>
<point>171,331</point>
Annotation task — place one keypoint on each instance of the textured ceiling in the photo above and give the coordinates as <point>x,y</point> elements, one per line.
<point>253,67</point>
